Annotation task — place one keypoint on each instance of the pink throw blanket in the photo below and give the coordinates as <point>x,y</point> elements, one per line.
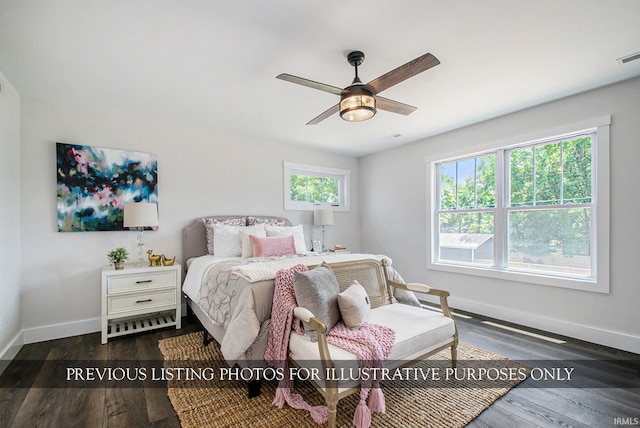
<point>372,345</point>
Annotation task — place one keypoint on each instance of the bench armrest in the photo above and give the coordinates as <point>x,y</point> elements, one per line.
<point>425,289</point>
<point>321,331</point>
<point>305,315</point>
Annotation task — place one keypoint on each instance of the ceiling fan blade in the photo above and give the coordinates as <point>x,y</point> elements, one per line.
<point>394,106</point>
<point>402,73</point>
<point>309,83</point>
<point>324,115</point>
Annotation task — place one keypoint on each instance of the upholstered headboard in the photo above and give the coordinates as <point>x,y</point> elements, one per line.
<point>194,235</point>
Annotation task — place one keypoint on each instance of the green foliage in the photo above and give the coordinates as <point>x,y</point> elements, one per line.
<point>550,175</point>
<point>307,188</point>
<point>476,190</point>
<point>118,255</point>
<point>545,175</point>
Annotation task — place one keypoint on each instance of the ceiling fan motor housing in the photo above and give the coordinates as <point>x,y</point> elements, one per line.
<point>357,103</point>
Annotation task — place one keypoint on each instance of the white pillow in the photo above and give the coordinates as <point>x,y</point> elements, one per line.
<point>354,305</point>
<point>226,239</point>
<point>247,248</point>
<point>296,231</point>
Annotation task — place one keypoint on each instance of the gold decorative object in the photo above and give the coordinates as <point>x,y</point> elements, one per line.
<point>154,260</point>
<point>168,262</point>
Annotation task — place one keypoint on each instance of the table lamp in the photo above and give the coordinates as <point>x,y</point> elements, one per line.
<point>137,216</point>
<point>324,218</point>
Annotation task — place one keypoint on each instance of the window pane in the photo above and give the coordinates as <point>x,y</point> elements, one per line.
<point>554,240</point>
<point>577,170</point>
<point>308,188</point>
<point>299,188</point>
<point>521,184</point>
<point>331,191</point>
<point>486,182</point>
<point>547,177</point>
<point>466,184</point>
<point>448,186</point>
<point>315,189</point>
<point>466,237</point>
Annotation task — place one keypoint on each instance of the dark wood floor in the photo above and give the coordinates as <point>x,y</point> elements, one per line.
<point>22,405</point>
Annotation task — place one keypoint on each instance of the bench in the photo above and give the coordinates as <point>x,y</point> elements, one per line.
<point>419,332</point>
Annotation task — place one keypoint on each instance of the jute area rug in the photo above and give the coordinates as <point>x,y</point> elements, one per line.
<point>198,405</point>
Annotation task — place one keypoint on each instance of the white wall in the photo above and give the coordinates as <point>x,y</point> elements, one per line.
<point>199,173</point>
<point>10,339</point>
<point>394,194</point>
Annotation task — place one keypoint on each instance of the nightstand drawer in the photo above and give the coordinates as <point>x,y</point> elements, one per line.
<point>142,301</point>
<point>133,282</point>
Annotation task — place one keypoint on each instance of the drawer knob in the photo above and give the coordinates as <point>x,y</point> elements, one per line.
<point>143,301</point>
<point>143,281</point>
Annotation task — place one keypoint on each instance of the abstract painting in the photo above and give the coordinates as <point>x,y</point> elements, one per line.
<point>94,183</point>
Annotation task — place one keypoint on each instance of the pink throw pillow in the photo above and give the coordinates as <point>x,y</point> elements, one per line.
<point>272,246</point>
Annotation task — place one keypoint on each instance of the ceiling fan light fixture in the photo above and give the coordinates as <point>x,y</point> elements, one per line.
<point>357,104</point>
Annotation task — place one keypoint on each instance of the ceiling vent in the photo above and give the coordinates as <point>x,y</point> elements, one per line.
<point>628,58</point>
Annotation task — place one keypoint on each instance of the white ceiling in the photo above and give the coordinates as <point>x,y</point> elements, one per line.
<point>213,63</point>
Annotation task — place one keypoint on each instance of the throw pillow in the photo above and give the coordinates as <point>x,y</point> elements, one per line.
<point>354,305</point>
<point>270,221</point>
<point>272,246</point>
<point>210,221</point>
<point>247,247</point>
<point>317,290</point>
<point>296,231</point>
<point>226,239</point>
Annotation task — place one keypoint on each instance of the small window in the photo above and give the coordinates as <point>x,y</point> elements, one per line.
<point>309,187</point>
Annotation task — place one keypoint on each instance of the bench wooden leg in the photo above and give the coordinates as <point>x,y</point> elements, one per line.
<point>454,356</point>
<point>332,408</point>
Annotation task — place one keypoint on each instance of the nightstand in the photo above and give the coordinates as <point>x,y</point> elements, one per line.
<point>136,299</point>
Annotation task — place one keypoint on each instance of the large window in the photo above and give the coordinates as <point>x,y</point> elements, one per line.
<point>308,187</point>
<point>532,210</point>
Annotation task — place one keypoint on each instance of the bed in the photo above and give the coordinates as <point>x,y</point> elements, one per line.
<point>232,295</point>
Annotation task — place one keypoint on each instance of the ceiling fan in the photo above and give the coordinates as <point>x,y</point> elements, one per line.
<point>359,101</point>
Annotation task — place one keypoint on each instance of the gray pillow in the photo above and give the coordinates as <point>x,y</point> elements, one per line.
<point>317,290</point>
<point>354,305</point>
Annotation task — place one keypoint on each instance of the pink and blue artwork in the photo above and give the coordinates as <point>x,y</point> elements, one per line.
<point>94,183</point>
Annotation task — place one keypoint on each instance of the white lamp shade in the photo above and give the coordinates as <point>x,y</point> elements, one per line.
<point>323,217</point>
<point>140,214</point>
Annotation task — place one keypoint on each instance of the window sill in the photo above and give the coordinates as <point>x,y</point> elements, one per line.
<point>575,283</point>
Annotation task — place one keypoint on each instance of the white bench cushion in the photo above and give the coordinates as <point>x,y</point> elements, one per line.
<point>418,331</point>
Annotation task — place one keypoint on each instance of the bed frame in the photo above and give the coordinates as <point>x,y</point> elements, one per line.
<point>194,244</point>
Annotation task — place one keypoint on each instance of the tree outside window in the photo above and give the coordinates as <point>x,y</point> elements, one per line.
<point>543,216</point>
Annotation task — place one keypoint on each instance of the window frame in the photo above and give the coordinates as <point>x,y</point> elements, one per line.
<point>599,280</point>
<point>342,175</point>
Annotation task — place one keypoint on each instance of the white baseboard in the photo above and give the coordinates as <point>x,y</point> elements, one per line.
<point>11,350</point>
<point>600,336</point>
<point>49,332</point>
<point>58,331</point>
